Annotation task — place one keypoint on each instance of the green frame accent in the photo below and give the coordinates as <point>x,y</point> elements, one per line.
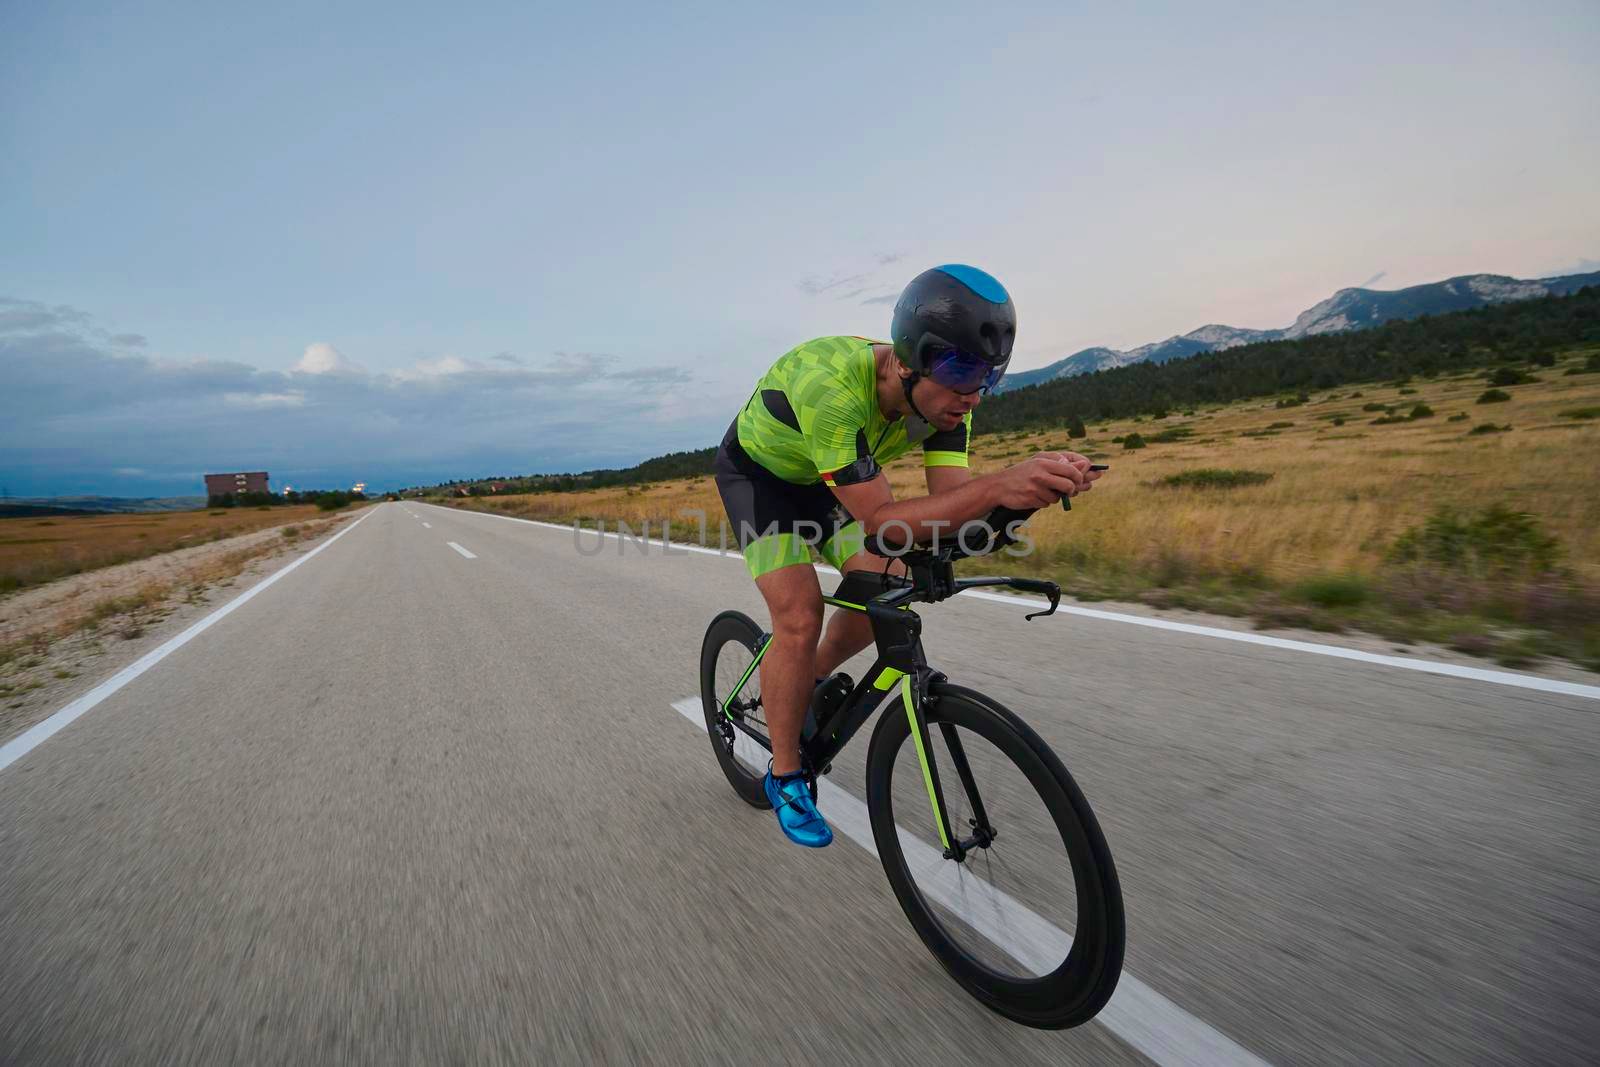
<point>766,643</point>
<point>922,756</point>
<point>887,679</point>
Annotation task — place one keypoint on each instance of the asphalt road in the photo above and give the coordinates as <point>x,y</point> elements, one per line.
<point>432,804</point>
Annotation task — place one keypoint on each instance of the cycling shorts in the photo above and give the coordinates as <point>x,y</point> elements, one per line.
<point>778,522</point>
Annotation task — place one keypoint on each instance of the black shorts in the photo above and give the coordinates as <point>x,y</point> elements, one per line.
<point>778,522</point>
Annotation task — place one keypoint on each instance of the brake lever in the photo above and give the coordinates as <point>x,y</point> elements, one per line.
<point>1038,585</point>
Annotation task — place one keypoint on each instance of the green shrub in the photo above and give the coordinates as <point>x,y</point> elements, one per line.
<point>1511,376</point>
<point>1494,396</point>
<point>1338,422</point>
<point>1408,392</point>
<point>1280,425</point>
<point>1133,440</point>
<point>1460,416</point>
<point>1075,426</point>
<point>1497,542</point>
<point>1487,427</point>
<point>1333,591</point>
<point>1581,413</point>
<point>1421,411</point>
<point>1389,420</point>
<point>1293,401</point>
<point>1354,395</point>
<point>1215,478</point>
<point>1374,407</point>
<point>1167,437</point>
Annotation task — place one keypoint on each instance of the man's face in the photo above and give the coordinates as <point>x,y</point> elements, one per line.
<point>944,408</point>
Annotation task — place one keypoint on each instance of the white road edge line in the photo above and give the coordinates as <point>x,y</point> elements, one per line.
<point>1424,666</point>
<point>1136,1014</point>
<point>461,550</point>
<point>41,732</point>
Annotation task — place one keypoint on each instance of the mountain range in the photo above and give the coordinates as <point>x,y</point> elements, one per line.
<point>1347,309</point>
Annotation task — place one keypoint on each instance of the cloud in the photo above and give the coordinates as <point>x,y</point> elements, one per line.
<point>322,358</point>
<point>264,400</point>
<point>82,414</point>
<point>886,298</point>
<point>128,340</point>
<point>1378,277</point>
<point>886,258</point>
<point>816,285</point>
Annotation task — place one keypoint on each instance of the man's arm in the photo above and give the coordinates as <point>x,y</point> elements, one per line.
<point>1031,484</point>
<point>944,479</point>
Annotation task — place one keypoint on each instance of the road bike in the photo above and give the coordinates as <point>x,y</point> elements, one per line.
<point>1006,878</point>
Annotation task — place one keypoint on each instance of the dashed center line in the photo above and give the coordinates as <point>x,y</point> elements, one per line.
<point>461,550</point>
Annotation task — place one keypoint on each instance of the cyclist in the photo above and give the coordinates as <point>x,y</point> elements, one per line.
<point>801,467</point>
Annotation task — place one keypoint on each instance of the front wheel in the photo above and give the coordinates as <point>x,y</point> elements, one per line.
<point>1029,918</point>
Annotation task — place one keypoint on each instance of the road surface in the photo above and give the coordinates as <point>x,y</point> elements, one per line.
<point>426,799</point>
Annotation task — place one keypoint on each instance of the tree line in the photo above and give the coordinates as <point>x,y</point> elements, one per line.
<point>1531,331</point>
<point>326,499</point>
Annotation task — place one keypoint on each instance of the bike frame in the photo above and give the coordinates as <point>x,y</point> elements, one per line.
<point>897,630</point>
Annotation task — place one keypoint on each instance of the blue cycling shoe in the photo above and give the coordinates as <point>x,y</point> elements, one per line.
<point>798,816</point>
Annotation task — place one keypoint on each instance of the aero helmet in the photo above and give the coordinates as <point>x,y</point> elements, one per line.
<point>955,324</point>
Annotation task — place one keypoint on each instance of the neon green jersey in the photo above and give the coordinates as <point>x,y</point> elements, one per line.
<point>814,416</point>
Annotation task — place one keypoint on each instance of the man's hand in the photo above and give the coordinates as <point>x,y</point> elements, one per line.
<point>1044,478</point>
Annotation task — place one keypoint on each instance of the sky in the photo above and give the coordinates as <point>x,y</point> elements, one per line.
<point>402,243</point>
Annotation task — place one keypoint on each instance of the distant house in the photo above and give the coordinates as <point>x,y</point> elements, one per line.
<point>246,482</point>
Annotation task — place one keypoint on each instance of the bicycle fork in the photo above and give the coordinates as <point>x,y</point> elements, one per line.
<point>913,693</point>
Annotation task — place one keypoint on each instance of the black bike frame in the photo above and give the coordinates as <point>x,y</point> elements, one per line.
<point>897,630</point>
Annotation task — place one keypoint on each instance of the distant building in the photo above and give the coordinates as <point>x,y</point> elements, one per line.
<point>247,482</point>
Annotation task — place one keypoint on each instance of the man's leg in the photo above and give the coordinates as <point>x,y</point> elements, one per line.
<point>794,600</point>
<point>848,631</point>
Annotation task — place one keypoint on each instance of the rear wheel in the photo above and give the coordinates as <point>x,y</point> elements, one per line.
<point>732,643</point>
<point>1029,920</point>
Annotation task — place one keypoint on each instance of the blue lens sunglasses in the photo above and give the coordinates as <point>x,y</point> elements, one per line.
<point>964,373</point>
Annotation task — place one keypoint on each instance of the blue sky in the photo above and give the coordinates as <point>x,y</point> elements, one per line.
<point>403,242</point>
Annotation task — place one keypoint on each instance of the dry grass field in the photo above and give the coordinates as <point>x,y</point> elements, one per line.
<point>35,550</point>
<point>1342,486</point>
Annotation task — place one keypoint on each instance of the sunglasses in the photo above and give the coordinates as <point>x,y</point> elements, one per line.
<point>964,372</point>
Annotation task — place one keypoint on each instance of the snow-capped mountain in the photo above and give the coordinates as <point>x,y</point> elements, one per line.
<point>1347,309</point>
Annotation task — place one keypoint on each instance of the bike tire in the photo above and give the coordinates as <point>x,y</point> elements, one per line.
<point>1043,997</point>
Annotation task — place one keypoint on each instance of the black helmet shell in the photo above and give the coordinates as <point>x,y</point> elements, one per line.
<point>953,306</point>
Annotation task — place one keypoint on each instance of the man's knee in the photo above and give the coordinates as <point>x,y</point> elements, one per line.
<point>795,603</point>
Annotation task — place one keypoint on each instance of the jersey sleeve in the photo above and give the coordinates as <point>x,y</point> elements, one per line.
<point>837,439</point>
<point>948,448</point>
